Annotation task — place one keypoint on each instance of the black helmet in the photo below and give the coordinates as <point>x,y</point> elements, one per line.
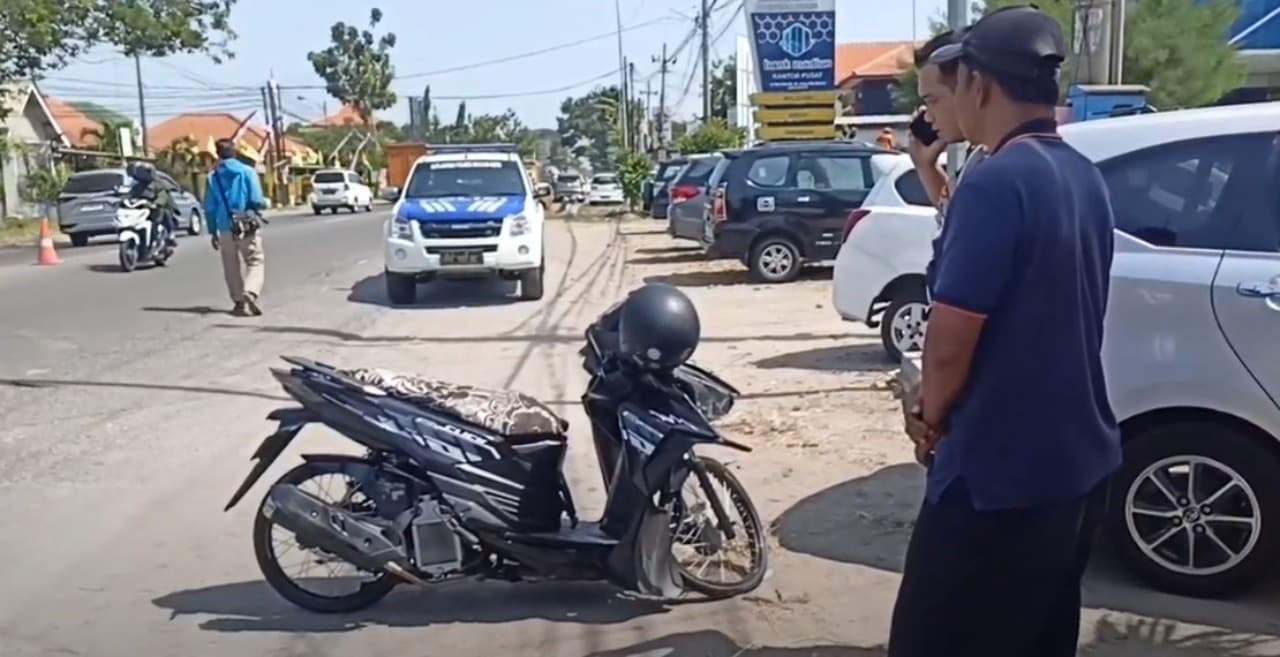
<point>658,328</point>
<point>140,172</point>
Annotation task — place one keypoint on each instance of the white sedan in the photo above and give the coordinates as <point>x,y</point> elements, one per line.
<point>605,188</point>
<point>1191,331</point>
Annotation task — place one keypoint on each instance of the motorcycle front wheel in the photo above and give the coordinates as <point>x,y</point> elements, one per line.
<point>128,255</point>
<point>710,562</point>
<point>309,577</point>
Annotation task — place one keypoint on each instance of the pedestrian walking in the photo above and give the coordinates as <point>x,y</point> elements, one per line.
<point>1013,420</point>
<point>232,199</point>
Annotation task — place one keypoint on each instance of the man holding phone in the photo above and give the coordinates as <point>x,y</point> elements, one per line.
<point>1020,439</point>
<point>934,126</point>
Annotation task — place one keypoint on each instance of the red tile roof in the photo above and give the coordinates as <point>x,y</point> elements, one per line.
<point>346,115</point>
<point>872,59</point>
<point>80,129</point>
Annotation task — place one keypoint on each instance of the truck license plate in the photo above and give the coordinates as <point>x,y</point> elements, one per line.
<point>462,257</point>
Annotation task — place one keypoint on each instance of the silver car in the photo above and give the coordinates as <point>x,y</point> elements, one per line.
<point>88,202</point>
<point>689,198</point>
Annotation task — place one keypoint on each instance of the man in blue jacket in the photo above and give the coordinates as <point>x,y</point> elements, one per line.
<point>233,191</point>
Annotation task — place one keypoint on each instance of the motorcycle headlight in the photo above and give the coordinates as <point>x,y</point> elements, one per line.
<point>518,225</point>
<point>402,228</point>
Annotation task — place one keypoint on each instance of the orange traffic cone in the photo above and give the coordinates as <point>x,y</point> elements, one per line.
<point>48,256</point>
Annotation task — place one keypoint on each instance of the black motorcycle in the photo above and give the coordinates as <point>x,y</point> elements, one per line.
<point>467,482</point>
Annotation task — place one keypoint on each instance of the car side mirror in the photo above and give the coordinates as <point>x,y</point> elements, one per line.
<point>542,190</point>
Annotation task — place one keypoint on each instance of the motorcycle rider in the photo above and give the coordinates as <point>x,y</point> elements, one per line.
<point>146,187</point>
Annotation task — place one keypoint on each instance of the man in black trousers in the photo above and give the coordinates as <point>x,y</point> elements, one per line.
<point>1013,420</point>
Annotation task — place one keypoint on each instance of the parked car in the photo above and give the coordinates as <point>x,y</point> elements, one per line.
<point>1192,329</point>
<point>605,188</point>
<point>781,205</point>
<point>332,189</point>
<point>660,193</point>
<point>88,203</point>
<point>570,187</point>
<point>688,196</point>
<point>879,272</point>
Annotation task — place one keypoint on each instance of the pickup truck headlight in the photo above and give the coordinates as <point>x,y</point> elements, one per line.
<point>402,228</point>
<point>518,225</point>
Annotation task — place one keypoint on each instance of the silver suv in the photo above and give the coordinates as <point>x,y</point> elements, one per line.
<point>88,202</point>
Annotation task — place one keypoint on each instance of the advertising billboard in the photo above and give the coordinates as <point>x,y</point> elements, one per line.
<point>1258,27</point>
<point>793,43</point>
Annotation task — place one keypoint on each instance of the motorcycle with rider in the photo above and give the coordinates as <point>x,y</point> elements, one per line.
<point>144,221</point>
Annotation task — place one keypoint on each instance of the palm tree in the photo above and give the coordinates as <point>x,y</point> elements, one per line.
<point>107,139</point>
<point>183,160</point>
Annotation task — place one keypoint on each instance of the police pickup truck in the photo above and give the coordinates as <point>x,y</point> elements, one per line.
<point>466,210</point>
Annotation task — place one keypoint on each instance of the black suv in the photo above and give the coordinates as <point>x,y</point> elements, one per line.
<point>778,206</point>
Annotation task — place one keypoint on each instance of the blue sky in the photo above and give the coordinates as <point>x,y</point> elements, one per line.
<point>275,36</point>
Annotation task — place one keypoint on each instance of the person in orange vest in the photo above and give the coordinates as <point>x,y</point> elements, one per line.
<point>886,139</point>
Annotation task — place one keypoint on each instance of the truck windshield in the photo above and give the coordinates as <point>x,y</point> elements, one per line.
<point>466,178</point>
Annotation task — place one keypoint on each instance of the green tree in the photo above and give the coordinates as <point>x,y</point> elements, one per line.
<point>589,127</point>
<point>633,168</point>
<point>1178,48</point>
<point>713,135</point>
<point>356,67</point>
<point>38,36</point>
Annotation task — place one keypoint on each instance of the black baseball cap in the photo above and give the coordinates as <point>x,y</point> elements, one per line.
<point>1020,41</point>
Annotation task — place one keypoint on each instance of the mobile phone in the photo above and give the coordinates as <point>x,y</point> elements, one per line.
<point>922,130</point>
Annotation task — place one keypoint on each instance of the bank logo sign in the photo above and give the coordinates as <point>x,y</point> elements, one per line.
<point>794,42</point>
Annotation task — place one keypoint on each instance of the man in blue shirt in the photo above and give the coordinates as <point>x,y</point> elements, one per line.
<point>233,190</point>
<point>1013,420</point>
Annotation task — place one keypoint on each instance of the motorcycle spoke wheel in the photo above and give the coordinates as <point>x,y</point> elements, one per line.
<point>710,562</point>
<point>306,575</point>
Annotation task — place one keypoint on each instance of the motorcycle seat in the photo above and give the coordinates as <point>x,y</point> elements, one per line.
<point>505,412</point>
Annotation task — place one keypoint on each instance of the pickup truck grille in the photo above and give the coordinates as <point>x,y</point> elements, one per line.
<point>436,230</point>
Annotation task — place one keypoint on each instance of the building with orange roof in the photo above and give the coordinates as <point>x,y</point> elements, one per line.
<point>81,130</point>
<point>868,72</point>
<point>205,128</point>
<point>345,116</point>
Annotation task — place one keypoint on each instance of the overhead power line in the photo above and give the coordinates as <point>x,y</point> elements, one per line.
<point>524,94</point>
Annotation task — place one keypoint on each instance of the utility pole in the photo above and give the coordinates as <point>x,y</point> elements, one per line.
<point>1118,16</point>
<point>647,124</point>
<point>663,67</point>
<point>622,71</point>
<point>142,104</point>
<point>704,24</point>
<point>273,119</point>
<point>269,148</point>
<point>631,96</point>
<point>957,19</point>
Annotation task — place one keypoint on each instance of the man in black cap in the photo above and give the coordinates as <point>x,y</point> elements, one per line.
<point>1013,421</point>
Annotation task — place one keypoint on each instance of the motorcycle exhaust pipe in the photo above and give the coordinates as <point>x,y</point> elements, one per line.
<point>324,526</point>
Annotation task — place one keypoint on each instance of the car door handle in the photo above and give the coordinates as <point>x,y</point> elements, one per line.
<point>805,199</point>
<point>1258,290</point>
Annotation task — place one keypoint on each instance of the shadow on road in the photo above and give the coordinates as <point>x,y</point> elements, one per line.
<point>100,268</point>
<point>728,277</point>
<point>676,258</point>
<point>658,250</point>
<point>540,338</point>
<point>439,294</point>
<point>198,390</point>
<point>711,643</point>
<point>868,520</point>
<point>254,607</point>
<point>865,357</point>
<point>1114,638</point>
<point>202,311</point>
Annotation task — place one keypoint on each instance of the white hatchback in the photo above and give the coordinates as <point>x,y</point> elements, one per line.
<point>1192,342</point>
<point>605,188</point>
<point>332,189</point>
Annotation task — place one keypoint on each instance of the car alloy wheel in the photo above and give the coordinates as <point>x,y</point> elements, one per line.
<point>907,326</point>
<point>1193,515</point>
<point>776,261</point>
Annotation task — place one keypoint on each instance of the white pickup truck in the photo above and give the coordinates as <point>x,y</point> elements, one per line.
<point>466,210</point>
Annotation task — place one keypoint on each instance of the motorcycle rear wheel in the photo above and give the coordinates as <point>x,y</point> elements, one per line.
<point>264,550</point>
<point>748,530</point>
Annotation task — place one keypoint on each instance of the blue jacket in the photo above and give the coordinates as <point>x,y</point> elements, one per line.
<point>239,184</point>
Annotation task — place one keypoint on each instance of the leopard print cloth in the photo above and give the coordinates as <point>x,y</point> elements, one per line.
<point>504,412</point>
